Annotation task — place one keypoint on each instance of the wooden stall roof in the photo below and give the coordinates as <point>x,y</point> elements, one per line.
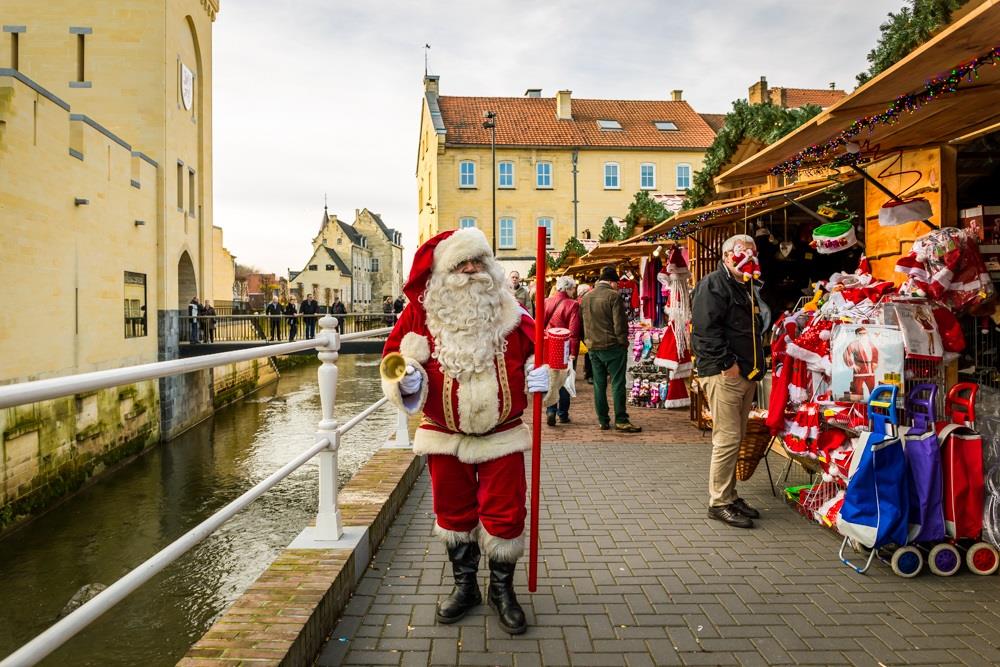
<point>607,254</point>
<point>953,118</point>
<point>760,204</point>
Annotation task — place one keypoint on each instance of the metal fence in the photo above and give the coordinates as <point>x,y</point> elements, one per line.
<point>328,527</point>
<point>272,328</point>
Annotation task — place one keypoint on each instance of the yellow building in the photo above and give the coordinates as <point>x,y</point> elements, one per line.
<point>105,202</point>
<point>225,293</point>
<point>564,163</point>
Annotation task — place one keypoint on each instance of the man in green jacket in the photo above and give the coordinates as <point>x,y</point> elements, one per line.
<point>606,334</point>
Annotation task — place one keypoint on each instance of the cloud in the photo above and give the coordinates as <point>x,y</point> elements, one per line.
<point>322,96</point>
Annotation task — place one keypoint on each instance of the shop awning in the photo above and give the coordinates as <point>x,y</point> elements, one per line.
<point>931,110</point>
<point>731,210</point>
<point>607,254</point>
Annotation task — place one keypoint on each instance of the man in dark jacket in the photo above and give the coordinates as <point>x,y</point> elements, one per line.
<point>338,307</point>
<point>291,312</point>
<point>274,312</point>
<point>726,337</point>
<point>606,335</point>
<point>309,309</point>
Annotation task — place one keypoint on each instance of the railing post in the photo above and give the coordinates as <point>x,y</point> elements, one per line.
<point>328,525</point>
<point>402,429</point>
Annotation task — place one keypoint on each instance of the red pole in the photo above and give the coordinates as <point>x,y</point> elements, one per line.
<point>536,421</point>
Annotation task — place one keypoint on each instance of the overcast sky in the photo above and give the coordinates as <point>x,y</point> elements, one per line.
<point>323,96</point>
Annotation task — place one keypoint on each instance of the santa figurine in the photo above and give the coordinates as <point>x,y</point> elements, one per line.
<point>746,262</point>
<point>674,352</point>
<point>468,348</point>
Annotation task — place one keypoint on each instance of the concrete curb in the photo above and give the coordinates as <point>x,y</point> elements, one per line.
<point>285,616</point>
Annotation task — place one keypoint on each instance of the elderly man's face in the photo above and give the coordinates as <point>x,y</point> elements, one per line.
<point>475,265</point>
<point>515,279</point>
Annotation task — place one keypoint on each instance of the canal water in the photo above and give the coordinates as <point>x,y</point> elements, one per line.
<point>108,529</point>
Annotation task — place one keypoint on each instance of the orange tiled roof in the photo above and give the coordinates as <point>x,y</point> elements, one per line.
<point>797,97</point>
<point>531,121</point>
<point>714,120</point>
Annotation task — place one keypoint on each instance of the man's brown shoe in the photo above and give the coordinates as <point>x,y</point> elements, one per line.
<point>627,427</point>
<point>727,514</point>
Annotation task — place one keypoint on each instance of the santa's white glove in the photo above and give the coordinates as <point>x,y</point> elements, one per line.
<point>410,384</point>
<point>538,380</point>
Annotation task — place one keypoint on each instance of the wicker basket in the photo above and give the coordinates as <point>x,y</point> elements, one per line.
<point>753,448</point>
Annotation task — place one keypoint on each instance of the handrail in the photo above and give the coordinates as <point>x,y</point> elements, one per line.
<point>66,628</point>
<point>328,525</point>
<point>52,388</point>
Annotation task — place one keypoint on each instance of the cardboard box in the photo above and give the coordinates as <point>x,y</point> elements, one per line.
<point>983,222</point>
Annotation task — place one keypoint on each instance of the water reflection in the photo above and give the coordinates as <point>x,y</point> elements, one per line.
<point>101,534</point>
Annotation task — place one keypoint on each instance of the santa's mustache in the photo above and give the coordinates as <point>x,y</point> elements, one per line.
<point>455,280</point>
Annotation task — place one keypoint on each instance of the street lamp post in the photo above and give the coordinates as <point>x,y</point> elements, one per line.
<point>491,124</point>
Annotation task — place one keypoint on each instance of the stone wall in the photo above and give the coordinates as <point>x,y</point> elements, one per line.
<point>51,449</point>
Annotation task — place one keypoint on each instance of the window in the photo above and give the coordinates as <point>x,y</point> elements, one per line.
<point>609,125</point>
<point>191,192</point>
<point>180,185</point>
<point>507,233</point>
<point>683,176</point>
<point>543,175</point>
<point>80,56</point>
<point>135,304</point>
<point>665,125</point>
<point>611,176</point>
<point>547,224</point>
<point>374,264</point>
<point>339,241</point>
<point>647,176</point>
<point>312,267</point>
<point>14,44</point>
<point>465,223</point>
<point>506,175</point>
<point>467,174</point>
<point>330,267</point>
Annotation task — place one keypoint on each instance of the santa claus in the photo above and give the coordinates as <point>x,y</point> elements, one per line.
<point>861,356</point>
<point>469,353</point>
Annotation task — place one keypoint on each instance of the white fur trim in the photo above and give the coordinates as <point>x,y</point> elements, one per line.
<point>479,402</point>
<point>814,361</point>
<point>499,548</point>
<point>464,244</point>
<point>472,448</point>
<point>413,403</point>
<point>453,538</point>
<point>677,403</point>
<point>416,347</point>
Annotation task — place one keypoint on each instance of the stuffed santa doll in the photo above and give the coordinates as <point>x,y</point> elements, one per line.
<point>469,353</point>
<point>674,352</point>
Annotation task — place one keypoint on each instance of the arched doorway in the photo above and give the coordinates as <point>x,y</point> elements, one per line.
<point>187,282</point>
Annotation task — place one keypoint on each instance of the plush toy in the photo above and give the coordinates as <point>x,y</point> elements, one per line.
<point>634,392</point>
<point>817,295</point>
<point>647,344</point>
<point>654,395</point>
<point>746,263</point>
<point>637,346</point>
<point>644,393</point>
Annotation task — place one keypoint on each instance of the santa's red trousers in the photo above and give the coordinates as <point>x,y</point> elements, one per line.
<point>492,492</point>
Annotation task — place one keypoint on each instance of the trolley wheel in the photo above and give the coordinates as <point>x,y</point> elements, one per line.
<point>907,562</point>
<point>982,558</point>
<point>944,559</point>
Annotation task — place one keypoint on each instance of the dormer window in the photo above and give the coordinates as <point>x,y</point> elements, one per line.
<point>609,125</point>
<point>665,125</point>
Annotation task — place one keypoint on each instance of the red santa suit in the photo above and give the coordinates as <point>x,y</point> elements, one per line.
<point>674,352</point>
<point>472,429</point>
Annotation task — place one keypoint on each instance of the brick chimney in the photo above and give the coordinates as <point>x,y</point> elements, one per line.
<point>533,92</point>
<point>564,107</point>
<point>758,92</point>
<point>431,83</point>
<point>779,97</point>
<point>677,95</point>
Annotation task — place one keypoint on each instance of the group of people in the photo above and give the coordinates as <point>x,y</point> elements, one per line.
<point>309,311</point>
<point>597,316</point>
<point>202,321</point>
<point>391,309</point>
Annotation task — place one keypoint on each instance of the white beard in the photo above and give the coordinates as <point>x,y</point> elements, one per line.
<point>465,317</point>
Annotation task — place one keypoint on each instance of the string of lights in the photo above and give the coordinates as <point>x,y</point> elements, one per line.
<point>935,89</point>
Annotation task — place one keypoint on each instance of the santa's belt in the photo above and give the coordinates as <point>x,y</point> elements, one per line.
<point>431,425</point>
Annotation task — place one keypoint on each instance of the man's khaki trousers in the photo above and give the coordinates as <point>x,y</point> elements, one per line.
<point>729,399</point>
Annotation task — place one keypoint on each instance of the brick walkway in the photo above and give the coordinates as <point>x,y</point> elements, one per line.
<point>632,573</point>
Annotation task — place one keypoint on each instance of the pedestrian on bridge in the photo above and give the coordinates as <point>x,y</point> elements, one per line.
<point>309,309</point>
<point>209,322</point>
<point>274,312</point>
<point>469,349</point>
<point>193,311</point>
<point>292,313</point>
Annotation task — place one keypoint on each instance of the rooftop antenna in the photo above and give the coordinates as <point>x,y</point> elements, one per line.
<point>427,48</point>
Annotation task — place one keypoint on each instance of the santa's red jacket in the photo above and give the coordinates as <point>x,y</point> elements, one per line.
<point>476,420</point>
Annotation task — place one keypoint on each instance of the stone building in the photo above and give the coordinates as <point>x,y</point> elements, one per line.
<point>793,98</point>
<point>359,262</point>
<point>106,200</point>
<point>563,163</point>
<point>225,296</point>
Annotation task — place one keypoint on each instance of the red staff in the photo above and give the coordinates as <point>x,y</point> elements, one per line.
<point>536,415</point>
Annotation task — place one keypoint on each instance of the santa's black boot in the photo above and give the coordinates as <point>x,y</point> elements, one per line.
<point>465,595</point>
<point>501,597</point>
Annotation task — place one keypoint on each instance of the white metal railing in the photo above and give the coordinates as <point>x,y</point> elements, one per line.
<point>328,435</point>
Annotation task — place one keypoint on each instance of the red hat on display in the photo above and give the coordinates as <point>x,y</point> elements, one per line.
<point>901,212</point>
<point>676,263</point>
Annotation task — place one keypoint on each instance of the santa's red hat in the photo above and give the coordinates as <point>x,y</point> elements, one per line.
<point>443,253</point>
<point>676,263</point>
